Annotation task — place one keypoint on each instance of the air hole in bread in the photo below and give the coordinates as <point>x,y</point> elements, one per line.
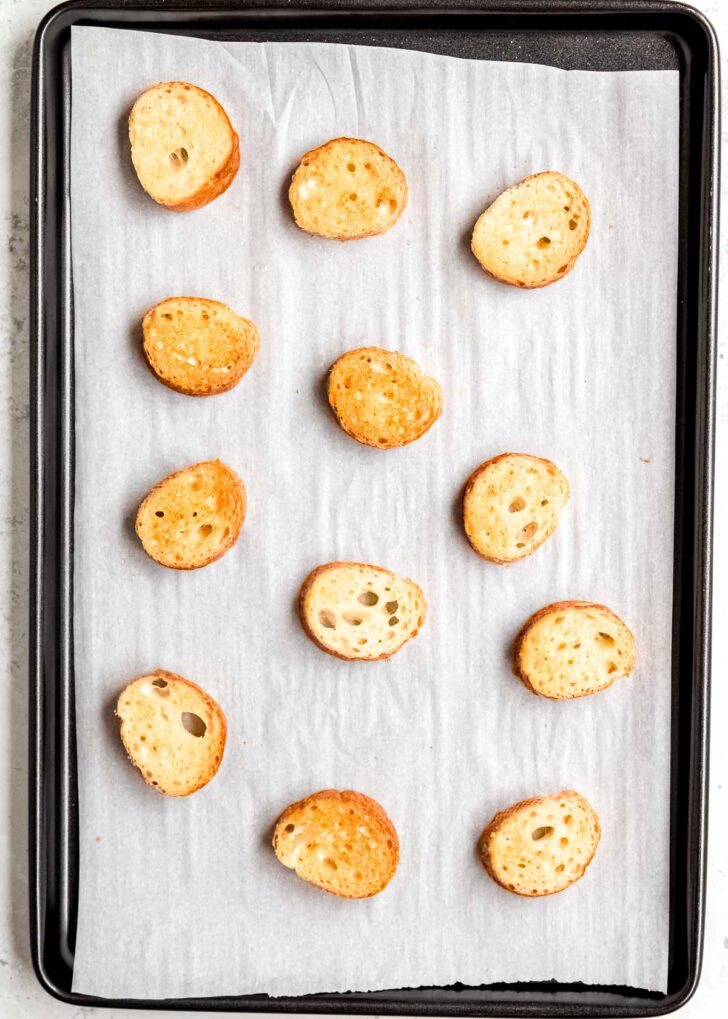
<point>528,531</point>
<point>573,223</point>
<point>544,502</point>
<point>159,513</point>
<point>543,242</point>
<point>605,638</point>
<point>518,504</point>
<point>327,619</point>
<point>527,214</point>
<point>161,683</point>
<point>351,167</point>
<point>352,197</point>
<point>392,606</point>
<point>352,619</point>
<point>611,667</point>
<point>290,827</point>
<point>563,841</point>
<point>368,598</point>
<point>193,724</point>
<point>331,864</point>
<point>393,621</point>
<point>562,269</point>
<point>560,868</point>
<point>179,158</point>
<point>205,530</point>
<point>544,832</point>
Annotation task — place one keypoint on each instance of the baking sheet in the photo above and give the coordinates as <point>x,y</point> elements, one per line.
<point>185,897</point>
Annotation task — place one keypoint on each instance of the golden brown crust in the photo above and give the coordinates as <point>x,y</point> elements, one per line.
<point>303,610</point>
<point>236,495</point>
<point>532,801</point>
<point>386,407</point>
<point>470,486</point>
<point>210,703</point>
<point>216,184</point>
<point>570,260</point>
<point>547,610</point>
<point>397,179</point>
<point>367,807</point>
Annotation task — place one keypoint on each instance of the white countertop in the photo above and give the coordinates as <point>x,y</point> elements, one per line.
<point>21,997</point>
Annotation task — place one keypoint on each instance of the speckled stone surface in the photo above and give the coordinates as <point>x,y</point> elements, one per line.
<point>20,995</point>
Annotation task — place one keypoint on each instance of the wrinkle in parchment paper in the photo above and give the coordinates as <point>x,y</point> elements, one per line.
<point>185,897</point>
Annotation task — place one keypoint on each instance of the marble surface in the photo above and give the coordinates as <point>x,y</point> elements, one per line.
<point>21,997</point>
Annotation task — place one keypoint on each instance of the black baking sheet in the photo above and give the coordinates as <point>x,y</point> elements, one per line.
<point>595,37</point>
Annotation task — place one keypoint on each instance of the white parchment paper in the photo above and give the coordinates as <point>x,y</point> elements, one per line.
<point>185,897</point>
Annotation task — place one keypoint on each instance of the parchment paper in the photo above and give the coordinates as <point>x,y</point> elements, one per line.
<point>185,897</point>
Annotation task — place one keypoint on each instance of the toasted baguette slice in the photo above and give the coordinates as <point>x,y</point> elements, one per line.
<point>198,347</point>
<point>512,504</point>
<point>183,146</point>
<point>172,731</point>
<point>359,612</point>
<point>534,232</point>
<point>192,517</point>
<point>383,398</point>
<point>573,648</point>
<point>542,845</point>
<point>342,842</point>
<point>346,189</point>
